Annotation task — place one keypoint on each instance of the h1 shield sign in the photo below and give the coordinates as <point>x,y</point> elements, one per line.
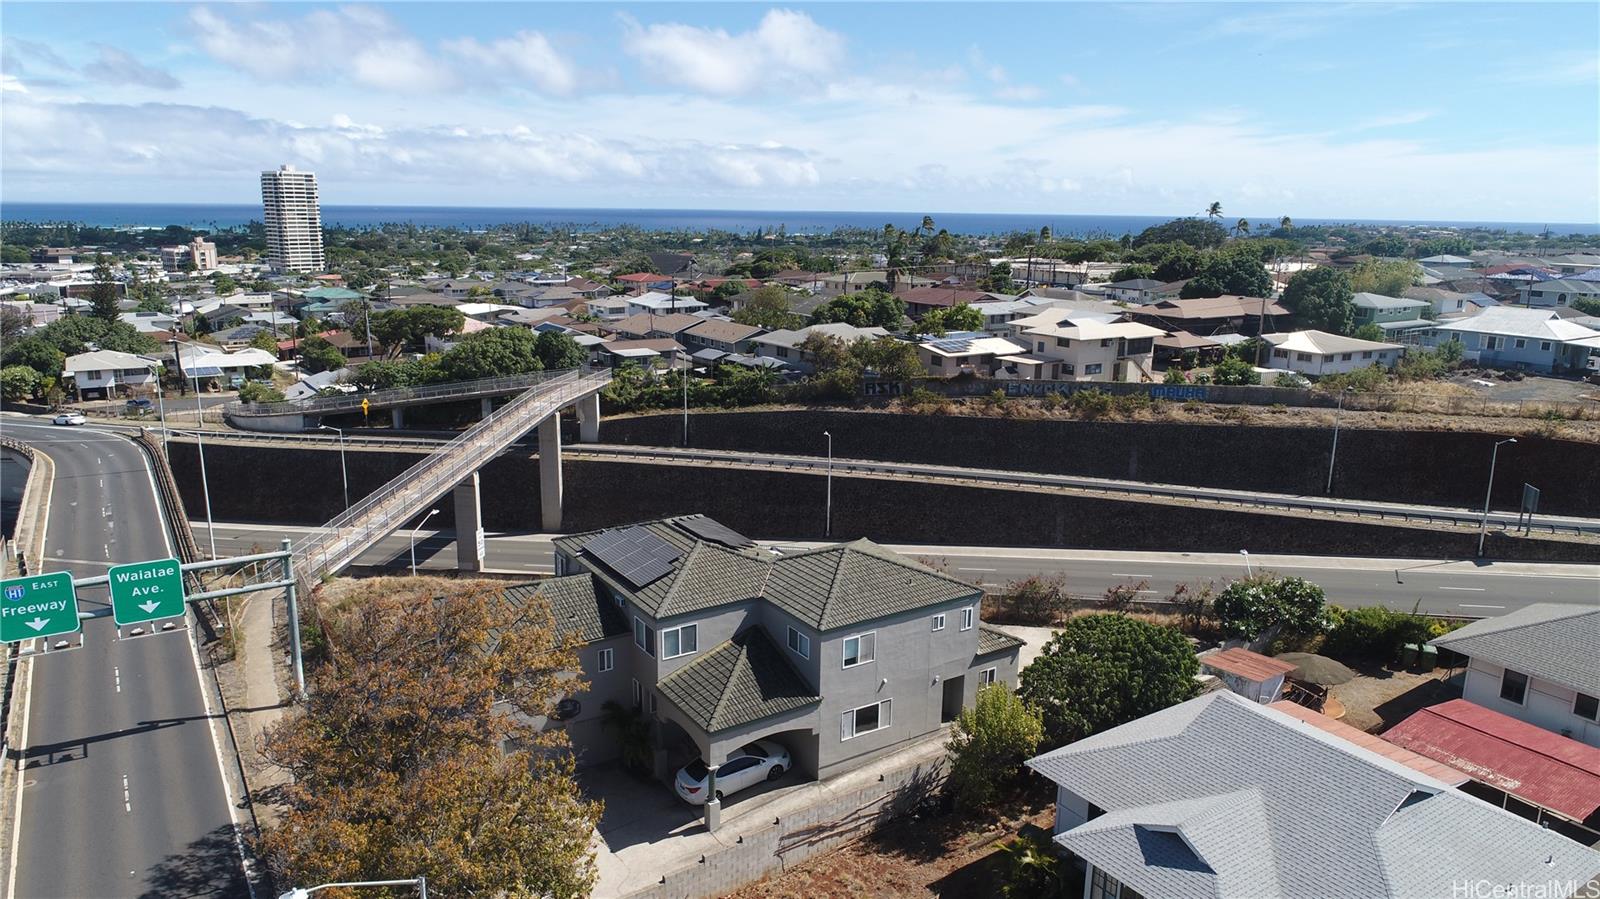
<point>146,591</point>
<point>41,605</point>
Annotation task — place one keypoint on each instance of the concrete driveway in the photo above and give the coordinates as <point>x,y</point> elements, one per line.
<point>647,831</point>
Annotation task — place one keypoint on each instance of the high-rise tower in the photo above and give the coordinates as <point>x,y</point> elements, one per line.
<point>294,220</point>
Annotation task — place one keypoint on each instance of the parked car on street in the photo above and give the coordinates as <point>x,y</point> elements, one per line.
<point>140,406</point>
<point>746,766</point>
<point>70,418</point>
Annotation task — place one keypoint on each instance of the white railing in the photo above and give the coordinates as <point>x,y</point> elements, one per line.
<point>348,402</point>
<point>341,540</point>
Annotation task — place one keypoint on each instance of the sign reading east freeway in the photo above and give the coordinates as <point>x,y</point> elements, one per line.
<point>41,605</point>
<point>145,591</point>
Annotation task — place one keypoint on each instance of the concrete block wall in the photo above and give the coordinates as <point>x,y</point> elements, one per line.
<point>768,848</point>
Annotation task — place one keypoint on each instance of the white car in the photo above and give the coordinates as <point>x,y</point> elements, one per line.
<point>70,418</point>
<point>746,766</point>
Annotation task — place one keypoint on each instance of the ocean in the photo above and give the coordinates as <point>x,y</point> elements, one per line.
<point>202,216</point>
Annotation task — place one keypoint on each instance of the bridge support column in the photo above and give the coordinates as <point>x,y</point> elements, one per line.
<point>589,419</point>
<point>397,418</point>
<point>469,525</point>
<point>550,474</point>
<point>486,407</point>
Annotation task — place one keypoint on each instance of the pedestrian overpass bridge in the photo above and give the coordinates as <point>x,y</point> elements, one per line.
<point>302,415</point>
<point>453,468</point>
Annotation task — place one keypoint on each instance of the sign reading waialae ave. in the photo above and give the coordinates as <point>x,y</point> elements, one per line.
<point>40,605</point>
<point>146,591</point>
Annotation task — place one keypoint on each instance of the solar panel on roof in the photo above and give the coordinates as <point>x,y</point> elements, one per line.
<point>954,345</point>
<point>716,532</point>
<point>635,554</point>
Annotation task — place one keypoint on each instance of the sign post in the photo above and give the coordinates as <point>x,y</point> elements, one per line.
<point>146,591</point>
<point>41,605</point>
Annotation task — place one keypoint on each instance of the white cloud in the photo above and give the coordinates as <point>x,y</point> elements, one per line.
<point>1395,120</point>
<point>526,54</point>
<point>114,66</point>
<point>785,46</point>
<point>1019,92</point>
<point>360,41</point>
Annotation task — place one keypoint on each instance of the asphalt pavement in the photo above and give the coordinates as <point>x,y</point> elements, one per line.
<point>1438,586</point>
<point>122,790</point>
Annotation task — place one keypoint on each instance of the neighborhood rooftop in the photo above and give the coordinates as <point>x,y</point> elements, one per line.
<point>1556,641</point>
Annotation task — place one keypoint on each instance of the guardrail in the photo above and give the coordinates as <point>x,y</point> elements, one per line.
<point>349,402</point>
<point>339,541</point>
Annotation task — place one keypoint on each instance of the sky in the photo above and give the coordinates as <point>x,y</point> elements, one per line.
<point>1473,111</point>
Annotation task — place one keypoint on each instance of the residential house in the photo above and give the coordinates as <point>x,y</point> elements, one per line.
<point>150,322</point>
<point>1213,315</point>
<point>107,373</point>
<point>720,335</point>
<point>1252,675</point>
<point>1085,346</point>
<point>608,308</point>
<point>1519,338</point>
<point>1543,776</point>
<point>198,360</point>
<point>1317,353</point>
<point>650,353</point>
<point>587,288</point>
<point>1557,293</point>
<point>312,385</point>
<point>798,278</point>
<point>922,300</point>
<point>999,314</point>
<point>1448,304</point>
<point>784,343</point>
<point>1397,316</point>
<point>840,653</point>
<point>662,303</point>
<point>644,325</point>
<point>851,282</point>
<point>645,281</point>
<point>1137,291</point>
<point>1221,796</point>
<point>1447,264</point>
<point>1536,664</point>
<point>968,352</point>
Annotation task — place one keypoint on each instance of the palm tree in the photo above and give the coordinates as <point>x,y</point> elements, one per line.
<point>1242,228</point>
<point>1214,211</point>
<point>894,251</point>
<point>1286,223</point>
<point>927,225</point>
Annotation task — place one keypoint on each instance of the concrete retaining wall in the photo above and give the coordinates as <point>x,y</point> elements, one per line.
<point>774,848</point>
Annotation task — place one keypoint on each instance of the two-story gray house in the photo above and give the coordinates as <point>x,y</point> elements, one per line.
<point>839,653</point>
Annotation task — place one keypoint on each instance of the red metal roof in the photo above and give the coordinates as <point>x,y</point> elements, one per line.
<point>1252,666</point>
<point>1531,763</point>
<point>1373,743</point>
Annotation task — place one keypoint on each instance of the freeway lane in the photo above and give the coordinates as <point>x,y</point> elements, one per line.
<point>1443,587</point>
<point>122,791</point>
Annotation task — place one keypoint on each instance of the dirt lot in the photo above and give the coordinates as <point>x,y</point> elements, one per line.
<point>1381,698</point>
<point>1532,388</point>
<point>945,855</point>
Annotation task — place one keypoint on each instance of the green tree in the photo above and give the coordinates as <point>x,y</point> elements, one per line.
<point>1368,331</point>
<point>1133,272</point>
<point>768,307</point>
<point>1198,233</point>
<point>252,392</point>
<point>385,374</point>
<point>1587,305</point>
<point>988,745</point>
<point>224,285</point>
<point>557,351</point>
<point>1385,245</point>
<point>395,757</point>
<point>1100,671</point>
<point>36,353</point>
<point>19,383</point>
<point>14,324</point>
<point>960,317</point>
<point>1242,228</point>
<point>1233,371</point>
<point>1321,299</point>
<point>103,295</point>
<point>318,355</point>
<point>1263,607</point>
<point>410,326</point>
<point>998,280</point>
<point>1389,278</point>
<point>1214,210</point>
<point>495,353</point>
<point>265,340</point>
<point>863,309</point>
<point>1235,274</point>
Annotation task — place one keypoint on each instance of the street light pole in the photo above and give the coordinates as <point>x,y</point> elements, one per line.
<point>827,523</point>
<point>344,470</point>
<point>1247,571</point>
<point>1483,525</point>
<point>420,524</point>
<point>205,482</point>
<point>1332,457</point>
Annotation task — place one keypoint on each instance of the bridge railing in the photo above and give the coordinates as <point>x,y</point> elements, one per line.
<point>349,402</point>
<point>339,541</point>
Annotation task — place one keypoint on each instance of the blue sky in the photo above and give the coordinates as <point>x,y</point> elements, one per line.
<point>1480,111</point>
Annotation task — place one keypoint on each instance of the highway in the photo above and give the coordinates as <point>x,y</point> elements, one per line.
<point>1443,587</point>
<point>122,785</point>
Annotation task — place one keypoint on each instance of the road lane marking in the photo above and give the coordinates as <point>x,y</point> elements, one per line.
<point>1119,574</point>
<point>977,569</point>
<point>127,804</point>
<point>1468,605</point>
<point>116,674</point>
<point>1471,589</point>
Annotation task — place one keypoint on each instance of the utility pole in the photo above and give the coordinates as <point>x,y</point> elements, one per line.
<point>827,522</point>
<point>1333,456</point>
<point>1483,525</point>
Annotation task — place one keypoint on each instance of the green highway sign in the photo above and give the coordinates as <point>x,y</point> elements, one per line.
<point>145,591</point>
<point>42,605</point>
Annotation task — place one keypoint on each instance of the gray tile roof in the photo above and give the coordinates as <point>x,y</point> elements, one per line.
<point>828,588</point>
<point>578,604</point>
<point>1558,642</point>
<point>1379,301</point>
<point>743,680</point>
<point>992,641</point>
<point>1266,805</point>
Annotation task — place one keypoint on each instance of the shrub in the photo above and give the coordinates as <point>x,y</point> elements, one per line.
<point>251,392</point>
<point>990,742</point>
<point>1120,597</point>
<point>1033,869</point>
<point>1174,375</point>
<point>1374,632</point>
<point>1235,371</point>
<point>1130,404</point>
<point>1091,403</point>
<point>1262,607</point>
<point>1193,606</point>
<point>1038,599</point>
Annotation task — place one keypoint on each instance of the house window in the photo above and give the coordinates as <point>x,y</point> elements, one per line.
<point>988,676</point>
<point>1105,342</point>
<point>938,622</point>
<point>1103,886</point>
<point>1346,357</point>
<point>1093,368</point>
<point>935,361</point>
<point>860,649</point>
<point>1491,343</point>
<point>783,352</point>
<point>800,644</point>
<point>1544,346</point>
<point>1519,344</point>
<point>638,695</point>
<point>605,660</point>
<point>644,636</point>
<point>1280,354</point>
<point>94,375</point>
<point>1514,686</point>
<point>966,618</point>
<point>652,703</point>
<point>1064,341</point>
<point>1040,346</point>
<point>1367,354</point>
<point>1561,300</point>
<point>1303,357</point>
<point>864,720</point>
<point>1586,706</point>
<point>1068,368</point>
<point>680,641</point>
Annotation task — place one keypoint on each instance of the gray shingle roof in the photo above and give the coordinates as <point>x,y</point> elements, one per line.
<point>1309,813</point>
<point>578,604</point>
<point>1555,641</point>
<point>828,588</point>
<point>992,641</point>
<point>743,680</point>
